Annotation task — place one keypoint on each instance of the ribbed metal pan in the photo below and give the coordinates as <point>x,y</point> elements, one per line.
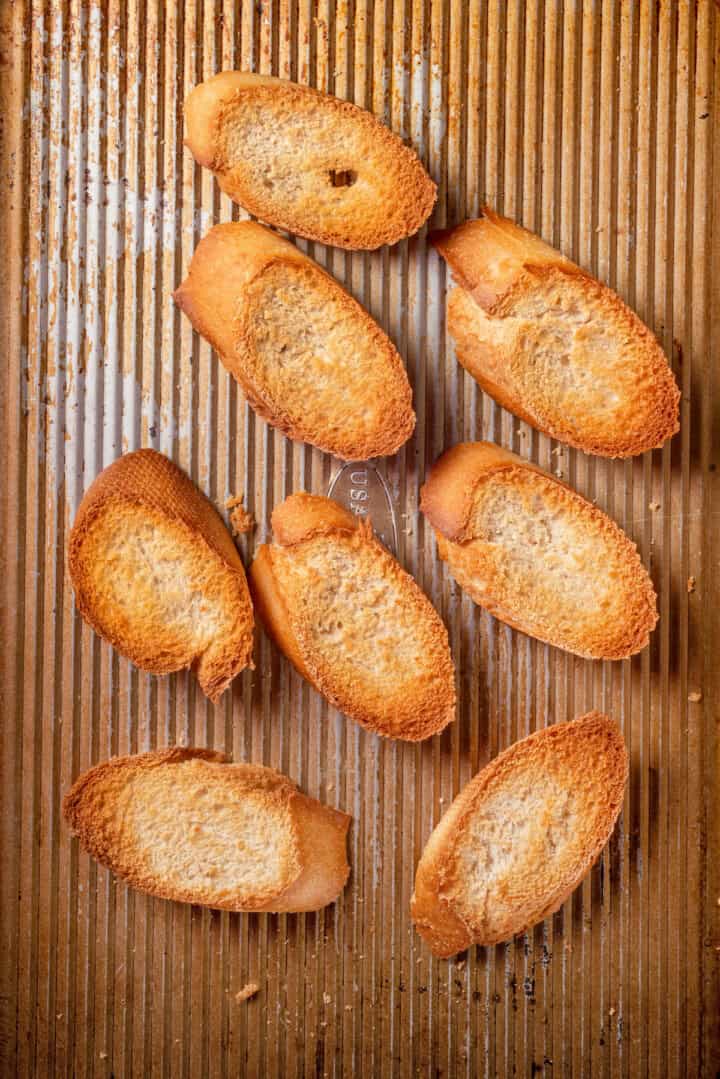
<point>595,124</point>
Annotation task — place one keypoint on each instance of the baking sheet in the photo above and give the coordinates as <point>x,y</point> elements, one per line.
<point>594,124</point>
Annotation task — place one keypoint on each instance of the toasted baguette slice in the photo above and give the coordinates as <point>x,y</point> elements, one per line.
<point>309,358</point>
<point>307,162</point>
<point>354,624</point>
<point>553,345</point>
<point>521,835</point>
<point>537,554</point>
<point>157,574</point>
<point>183,824</point>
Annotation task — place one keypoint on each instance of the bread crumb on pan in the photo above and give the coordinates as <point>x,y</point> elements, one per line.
<point>240,520</point>
<point>246,992</point>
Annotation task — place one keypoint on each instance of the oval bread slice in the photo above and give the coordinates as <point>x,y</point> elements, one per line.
<point>552,344</point>
<point>354,624</point>
<point>309,358</point>
<point>156,573</point>
<point>184,824</point>
<point>306,161</point>
<point>537,555</point>
<point>521,835</point>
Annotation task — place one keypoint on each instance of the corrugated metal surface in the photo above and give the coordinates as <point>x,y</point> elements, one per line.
<point>594,124</point>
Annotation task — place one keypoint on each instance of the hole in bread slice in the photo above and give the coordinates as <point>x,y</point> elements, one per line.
<point>342,177</point>
<point>322,367</point>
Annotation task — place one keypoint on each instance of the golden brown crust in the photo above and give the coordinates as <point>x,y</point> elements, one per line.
<point>101,809</point>
<point>353,622</point>
<point>303,515</point>
<point>146,490</point>
<point>272,610</point>
<point>532,857</point>
<point>447,496</point>
<point>554,345</point>
<point>237,295</point>
<point>487,255</point>
<point>620,613</point>
<point>391,195</point>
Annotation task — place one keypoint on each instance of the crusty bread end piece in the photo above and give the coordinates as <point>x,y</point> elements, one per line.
<point>352,621</point>
<point>554,345</point>
<point>307,162</point>
<point>156,573</point>
<point>521,835</point>
<point>184,824</point>
<point>310,360</point>
<point>537,554</point>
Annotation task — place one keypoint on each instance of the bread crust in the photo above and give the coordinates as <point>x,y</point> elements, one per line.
<point>273,613</point>
<point>315,869</point>
<point>447,500</point>
<point>586,756</point>
<point>220,297</point>
<point>147,484</point>
<point>360,217</point>
<point>447,495</point>
<point>420,701</point>
<point>506,273</point>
